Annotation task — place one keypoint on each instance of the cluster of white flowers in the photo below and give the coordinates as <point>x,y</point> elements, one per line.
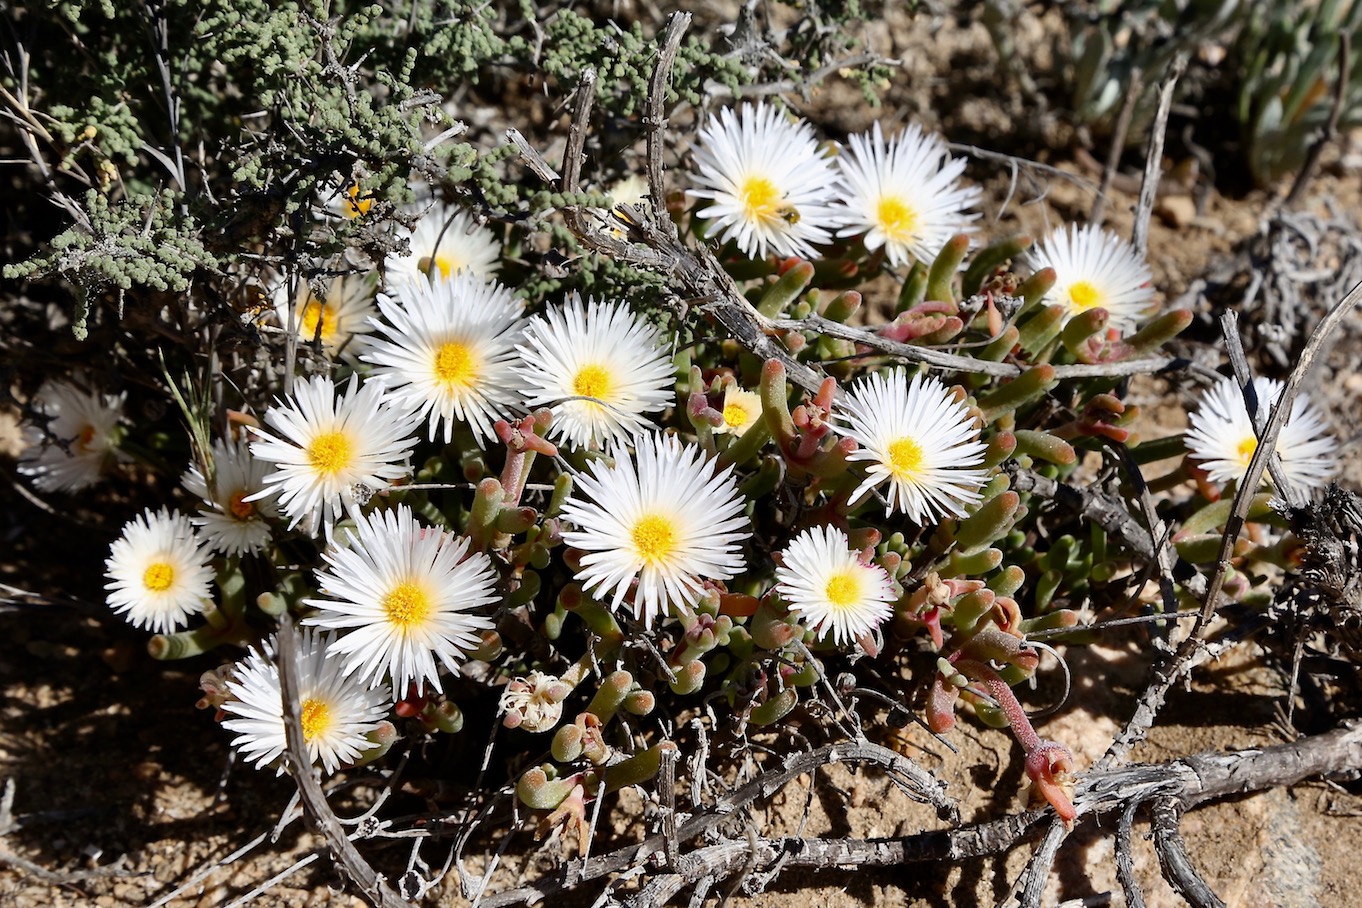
<point>773,190</point>
<point>657,524</point>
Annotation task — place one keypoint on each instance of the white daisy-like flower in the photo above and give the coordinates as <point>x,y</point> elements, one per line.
<point>741,411</point>
<point>336,712</point>
<point>446,240</point>
<point>232,523</point>
<point>599,367</point>
<point>158,572</point>
<point>450,351</point>
<point>771,188</point>
<point>904,194</point>
<point>1223,440</point>
<point>663,516</point>
<point>406,595</point>
<point>333,452</point>
<point>827,585</point>
<point>915,435</point>
<point>80,439</point>
<point>344,310</point>
<point>1094,267</point>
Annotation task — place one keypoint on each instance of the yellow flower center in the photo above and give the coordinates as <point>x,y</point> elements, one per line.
<point>1245,450</point>
<point>736,416</point>
<point>355,205</point>
<point>760,199</point>
<point>316,716</point>
<point>843,589</point>
<point>447,264</point>
<point>330,453</point>
<point>654,538</point>
<point>407,605</point>
<point>591,381</point>
<point>158,576</point>
<point>1084,296</point>
<point>456,365</point>
<point>241,508</point>
<point>314,313</point>
<point>905,458</point>
<point>896,218</point>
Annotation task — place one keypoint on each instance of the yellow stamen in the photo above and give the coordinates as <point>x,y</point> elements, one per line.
<point>355,206</point>
<point>905,458</point>
<point>1245,450</point>
<point>407,605</point>
<point>316,718</point>
<point>736,416</point>
<point>241,508</point>
<point>1084,296</point>
<point>591,381</point>
<point>760,199</point>
<point>447,264</point>
<point>654,538</point>
<point>843,589</point>
<point>316,312</point>
<point>86,436</point>
<point>330,453</point>
<point>896,218</point>
<point>158,576</point>
<point>456,365</point>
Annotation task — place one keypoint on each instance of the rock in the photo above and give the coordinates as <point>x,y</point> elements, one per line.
<point>1177,211</point>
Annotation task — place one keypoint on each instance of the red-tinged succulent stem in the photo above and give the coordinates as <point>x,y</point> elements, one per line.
<point>1047,762</point>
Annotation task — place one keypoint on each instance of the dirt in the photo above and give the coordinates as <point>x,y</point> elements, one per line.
<point>123,791</point>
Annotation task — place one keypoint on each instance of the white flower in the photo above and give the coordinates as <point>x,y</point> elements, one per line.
<point>333,318</point>
<point>741,411</point>
<point>670,521</point>
<point>828,585</point>
<point>1094,267</point>
<point>904,194</point>
<point>80,437</point>
<point>1222,435</point>
<point>337,712</point>
<point>533,702</point>
<point>331,453</point>
<point>446,240</point>
<point>158,573</point>
<point>918,437</point>
<point>771,188</point>
<point>232,523</point>
<point>406,594</point>
<point>599,367</point>
<point>450,352</point>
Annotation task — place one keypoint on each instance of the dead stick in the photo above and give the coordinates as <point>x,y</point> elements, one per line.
<point>1153,158</point>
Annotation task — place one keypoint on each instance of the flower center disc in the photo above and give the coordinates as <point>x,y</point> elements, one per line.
<point>86,436</point>
<point>591,381</point>
<point>316,313</point>
<point>455,365</point>
<point>843,589</point>
<point>445,264</point>
<point>896,218</point>
<point>316,717</point>
<point>654,538</point>
<point>241,508</point>
<point>407,605</point>
<point>158,577</point>
<point>330,453</point>
<point>1085,296</point>
<point>759,197</point>
<point>735,416</point>
<point>905,458</point>
<point>355,206</point>
<point>1246,449</point>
